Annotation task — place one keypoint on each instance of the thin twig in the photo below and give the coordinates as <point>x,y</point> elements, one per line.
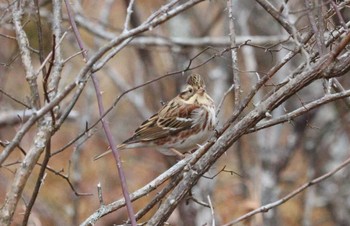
<point>340,17</point>
<point>40,34</point>
<point>233,45</point>
<point>145,190</point>
<point>305,108</point>
<point>164,9</point>
<point>201,203</point>
<point>48,143</point>
<point>158,198</point>
<point>105,125</point>
<point>312,21</point>
<point>229,135</point>
<point>49,56</point>
<point>129,11</point>
<point>71,57</point>
<point>46,77</point>
<point>14,99</point>
<point>84,72</point>
<point>189,67</point>
<point>228,91</point>
<point>75,29</point>
<point>42,133</point>
<point>23,44</point>
<point>100,195</point>
<point>39,182</point>
<point>211,211</point>
<point>265,208</point>
<point>66,178</point>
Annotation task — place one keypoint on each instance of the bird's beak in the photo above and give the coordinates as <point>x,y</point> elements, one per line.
<point>201,91</point>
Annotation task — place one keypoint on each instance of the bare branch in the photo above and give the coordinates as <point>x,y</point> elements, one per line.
<point>23,44</point>
<point>280,81</point>
<point>105,125</point>
<point>174,170</point>
<point>302,110</point>
<point>265,208</point>
<point>229,135</point>
<point>235,75</point>
<point>129,11</point>
<point>14,99</point>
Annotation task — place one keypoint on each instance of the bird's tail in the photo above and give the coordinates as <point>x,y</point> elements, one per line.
<point>109,150</point>
<point>103,154</point>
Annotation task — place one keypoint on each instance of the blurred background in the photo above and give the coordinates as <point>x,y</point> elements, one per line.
<point>259,169</point>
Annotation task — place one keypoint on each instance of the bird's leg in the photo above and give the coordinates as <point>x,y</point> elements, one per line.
<point>189,196</point>
<point>178,154</point>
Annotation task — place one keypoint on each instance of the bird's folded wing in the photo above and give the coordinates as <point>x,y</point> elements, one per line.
<point>165,123</point>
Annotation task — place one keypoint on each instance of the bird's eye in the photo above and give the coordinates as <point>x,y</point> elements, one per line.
<point>187,93</point>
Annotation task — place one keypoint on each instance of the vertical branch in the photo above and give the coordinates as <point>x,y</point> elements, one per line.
<point>38,184</point>
<point>76,175</point>
<point>57,64</point>
<point>40,35</point>
<point>22,174</point>
<point>340,17</point>
<point>23,45</point>
<point>236,80</point>
<point>24,171</point>
<point>75,30</point>
<point>105,125</point>
<point>278,17</point>
<point>40,181</point>
<point>321,27</point>
<point>129,11</point>
<point>315,26</point>
<point>115,151</point>
<point>41,140</point>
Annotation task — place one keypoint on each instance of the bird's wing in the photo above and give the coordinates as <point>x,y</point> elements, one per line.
<point>171,119</point>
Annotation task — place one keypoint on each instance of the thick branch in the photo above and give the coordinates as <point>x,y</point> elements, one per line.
<point>234,131</point>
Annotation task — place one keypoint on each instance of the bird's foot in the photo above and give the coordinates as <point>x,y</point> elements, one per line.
<point>178,154</point>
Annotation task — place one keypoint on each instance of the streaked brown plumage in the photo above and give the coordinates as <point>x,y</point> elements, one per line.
<point>183,123</point>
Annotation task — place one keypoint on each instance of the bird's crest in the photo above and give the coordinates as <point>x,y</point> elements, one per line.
<point>196,81</point>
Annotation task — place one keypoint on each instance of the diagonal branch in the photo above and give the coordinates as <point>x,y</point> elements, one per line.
<point>265,208</point>
<point>228,136</point>
<point>105,125</point>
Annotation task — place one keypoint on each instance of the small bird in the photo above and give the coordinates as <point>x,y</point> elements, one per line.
<point>181,125</point>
